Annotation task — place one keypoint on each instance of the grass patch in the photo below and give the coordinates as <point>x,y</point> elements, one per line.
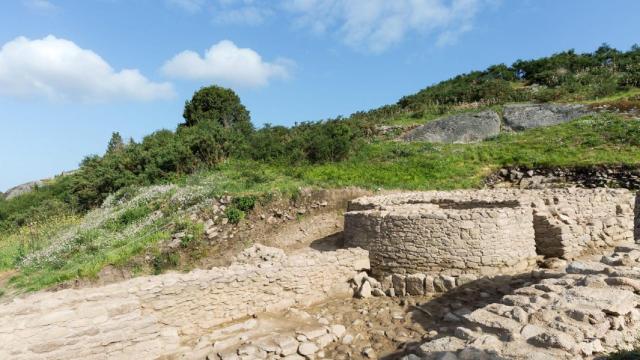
<point>128,217</point>
<point>16,244</point>
<point>86,259</point>
<point>593,140</point>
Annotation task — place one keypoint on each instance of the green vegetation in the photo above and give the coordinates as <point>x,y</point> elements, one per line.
<point>115,208</point>
<point>563,76</point>
<point>234,214</point>
<point>220,105</point>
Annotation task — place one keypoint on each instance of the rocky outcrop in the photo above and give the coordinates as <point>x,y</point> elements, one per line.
<point>588,309</point>
<point>460,128</point>
<point>30,186</point>
<point>519,117</point>
<point>21,189</point>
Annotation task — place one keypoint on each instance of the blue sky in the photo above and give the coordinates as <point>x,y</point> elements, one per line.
<point>73,71</point>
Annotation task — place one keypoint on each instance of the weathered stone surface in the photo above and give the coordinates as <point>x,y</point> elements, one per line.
<point>554,340</point>
<point>307,348</point>
<point>487,232</point>
<point>520,117</point>
<point>577,315</point>
<point>460,128</point>
<point>399,284</point>
<point>150,317</point>
<point>610,300</point>
<point>415,284</point>
<point>364,291</point>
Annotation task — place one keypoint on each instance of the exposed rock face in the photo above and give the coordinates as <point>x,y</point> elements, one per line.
<point>22,189</point>
<point>150,317</point>
<point>29,186</point>
<point>519,117</point>
<point>488,231</point>
<point>589,310</point>
<point>460,128</point>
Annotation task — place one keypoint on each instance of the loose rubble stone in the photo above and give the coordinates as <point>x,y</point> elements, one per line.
<point>307,348</point>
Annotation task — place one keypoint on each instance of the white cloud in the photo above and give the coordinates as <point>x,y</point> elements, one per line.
<point>371,25</point>
<point>226,64</point>
<point>187,5</point>
<point>40,5</point>
<point>59,69</point>
<point>375,25</point>
<point>245,15</point>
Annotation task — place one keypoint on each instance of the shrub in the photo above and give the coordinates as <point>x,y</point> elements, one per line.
<point>245,203</point>
<point>115,143</point>
<point>233,214</point>
<point>128,217</point>
<point>165,260</point>
<point>218,105</point>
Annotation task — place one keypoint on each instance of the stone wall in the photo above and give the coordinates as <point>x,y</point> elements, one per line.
<point>472,237</point>
<point>149,317</point>
<point>636,228</point>
<point>413,232</point>
<point>571,222</point>
<point>590,177</point>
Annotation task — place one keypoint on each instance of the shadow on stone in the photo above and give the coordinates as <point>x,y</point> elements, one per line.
<point>332,242</point>
<point>445,312</point>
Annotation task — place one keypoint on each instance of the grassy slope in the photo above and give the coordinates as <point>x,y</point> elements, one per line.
<point>600,139</point>
<point>119,231</point>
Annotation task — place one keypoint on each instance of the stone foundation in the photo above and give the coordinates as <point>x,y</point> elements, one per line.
<point>150,317</point>
<point>445,238</point>
<point>487,231</point>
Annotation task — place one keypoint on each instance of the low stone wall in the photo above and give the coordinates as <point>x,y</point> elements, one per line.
<point>486,231</point>
<point>448,238</point>
<point>636,228</point>
<point>590,177</point>
<point>149,317</point>
<point>571,222</point>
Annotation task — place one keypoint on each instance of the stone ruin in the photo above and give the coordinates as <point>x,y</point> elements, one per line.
<point>418,244</point>
<point>154,317</point>
<point>449,238</point>
<point>431,242</point>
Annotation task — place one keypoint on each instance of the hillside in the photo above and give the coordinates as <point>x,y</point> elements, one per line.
<point>140,207</point>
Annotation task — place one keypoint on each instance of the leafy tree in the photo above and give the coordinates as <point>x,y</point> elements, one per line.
<point>219,105</point>
<point>115,143</point>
